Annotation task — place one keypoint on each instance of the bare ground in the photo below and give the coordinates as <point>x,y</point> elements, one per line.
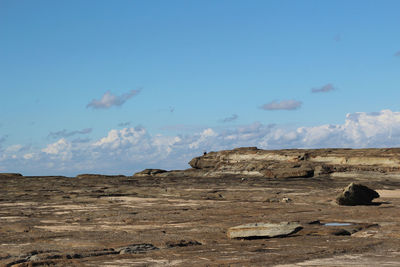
<point>153,221</point>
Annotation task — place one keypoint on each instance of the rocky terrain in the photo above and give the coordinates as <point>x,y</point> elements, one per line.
<point>290,163</point>
<point>197,216</point>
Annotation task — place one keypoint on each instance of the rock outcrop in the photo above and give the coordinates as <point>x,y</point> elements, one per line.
<point>290,163</point>
<point>89,175</point>
<point>10,175</point>
<point>150,172</point>
<point>264,230</point>
<point>356,194</point>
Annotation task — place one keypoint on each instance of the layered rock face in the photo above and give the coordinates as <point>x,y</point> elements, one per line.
<point>288,163</point>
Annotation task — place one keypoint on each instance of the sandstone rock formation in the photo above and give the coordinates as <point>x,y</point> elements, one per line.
<point>264,230</point>
<point>356,194</point>
<point>290,163</point>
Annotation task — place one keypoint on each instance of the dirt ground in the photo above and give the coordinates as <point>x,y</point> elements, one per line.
<point>153,221</point>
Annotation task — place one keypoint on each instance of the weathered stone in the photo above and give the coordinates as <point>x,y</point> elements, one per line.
<point>149,172</point>
<point>322,170</point>
<point>356,194</point>
<point>288,172</point>
<point>265,230</point>
<point>136,248</point>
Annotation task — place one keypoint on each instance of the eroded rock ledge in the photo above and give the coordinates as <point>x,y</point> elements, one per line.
<point>290,163</point>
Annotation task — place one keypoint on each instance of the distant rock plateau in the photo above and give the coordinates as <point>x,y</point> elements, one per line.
<point>291,163</point>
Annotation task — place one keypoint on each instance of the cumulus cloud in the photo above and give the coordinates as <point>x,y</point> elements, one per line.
<point>282,105</point>
<point>230,118</point>
<point>61,147</point>
<point>324,89</point>
<point>64,133</point>
<point>108,100</point>
<point>132,149</point>
<point>120,138</point>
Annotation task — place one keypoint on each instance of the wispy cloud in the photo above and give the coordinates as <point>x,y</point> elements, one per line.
<point>81,140</point>
<point>230,118</point>
<point>124,124</point>
<point>282,105</point>
<point>3,139</point>
<point>324,89</point>
<point>108,100</point>
<point>64,133</point>
<point>397,54</point>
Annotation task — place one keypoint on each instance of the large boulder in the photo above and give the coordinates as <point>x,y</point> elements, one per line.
<point>264,230</point>
<point>356,194</point>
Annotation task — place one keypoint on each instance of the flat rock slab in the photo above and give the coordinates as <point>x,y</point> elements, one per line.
<point>264,230</point>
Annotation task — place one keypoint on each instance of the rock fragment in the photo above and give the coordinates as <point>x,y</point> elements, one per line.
<point>136,248</point>
<point>183,243</point>
<point>356,194</point>
<point>264,230</point>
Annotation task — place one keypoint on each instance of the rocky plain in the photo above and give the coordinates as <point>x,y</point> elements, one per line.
<point>196,217</point>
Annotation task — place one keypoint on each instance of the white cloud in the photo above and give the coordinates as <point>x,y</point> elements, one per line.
<point>13,148</point>
<point>282,105</point>
<point>132,149</point>
<point>122,138</point>
<point>60,149</point>
<point>108,100</point>
<point>203,138</point>
<point>57,147</point>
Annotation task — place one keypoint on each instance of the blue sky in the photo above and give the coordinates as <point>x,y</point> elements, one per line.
<point>173,74</point>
